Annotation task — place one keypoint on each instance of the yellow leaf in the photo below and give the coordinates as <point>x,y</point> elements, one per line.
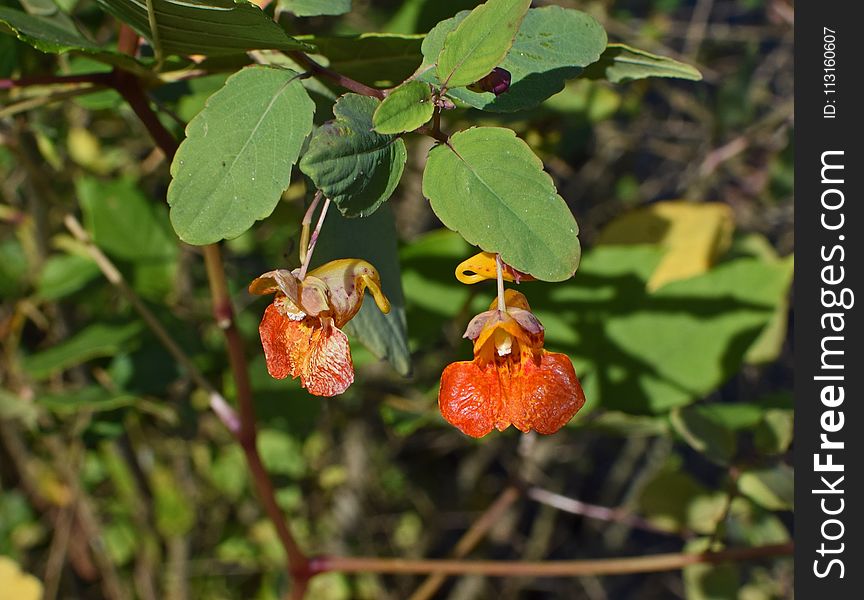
<point>693,234</point>
<point>17,584</point>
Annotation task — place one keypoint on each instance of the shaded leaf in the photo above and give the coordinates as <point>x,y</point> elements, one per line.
<point>174,512</point>
<point>704,434</point>
<point>62,275</point>
<point>204,26</point>
<point>378,59</point>
<point>406,108</point>
<point>620,62</point>
<point>710,582</point>
<point>124,222</point>
<point>553,44</point>
<point>314,8</point>
<point>489,186</point>
<point>236,160</point>
<point>372,239</point>
<point>44,33</point>
<point>479,43</point>
<point>95,341</point>
<point>354,166</point>
<point>673,501</point>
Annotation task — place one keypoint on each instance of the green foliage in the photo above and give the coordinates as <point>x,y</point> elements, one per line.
<point>620,62</point>
<point>314,8</point>
<point>479,43</point>
<point>552,45</point>
<point>44,33</point>
<point>704,434</point>
<point>354,166</point>
<point>236,160</point>
<point>380,59</point>
<point>212,27</point>
<point>97,340</point>
<point>771,488</point>
<point>405,109</point>
<point>489,186</point>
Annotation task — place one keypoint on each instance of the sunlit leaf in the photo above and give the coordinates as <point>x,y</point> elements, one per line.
<point>204,26</point>
<point>480,42</point>
<point>553,44</point>
<point>405,109</point>
<point>314,8</point>
<point>236,160</point>
<point>694,235</point>
<point>489,186</point>
<point>771,488</point>
<point>621,62</point>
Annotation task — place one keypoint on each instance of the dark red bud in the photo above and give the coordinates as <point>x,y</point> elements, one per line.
<point>497,82</point>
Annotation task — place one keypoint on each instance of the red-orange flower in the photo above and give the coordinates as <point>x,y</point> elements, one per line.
<point>512,379</point>
<point>301,331</point>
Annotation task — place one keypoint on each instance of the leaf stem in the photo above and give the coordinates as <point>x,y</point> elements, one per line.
<point>314,241</point>
<point>307,222</point>
<point>563,568</point>
<point>154,35</point>
<point>94,78</point>
<point>499,273</point>
<point>337,78</point>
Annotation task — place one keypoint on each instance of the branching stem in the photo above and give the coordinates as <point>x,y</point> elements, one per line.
<point>314,241</point>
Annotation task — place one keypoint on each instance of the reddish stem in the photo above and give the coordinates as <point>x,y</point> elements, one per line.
<point>105,79</point>
<point>337,78</point>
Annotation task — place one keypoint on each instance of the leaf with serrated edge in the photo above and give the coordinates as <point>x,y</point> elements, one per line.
<point>489,186</point>
<point>236,160</point>
<point>354,166</point>
<point>480,42</point>
<point>553,44</point>
<point>620,62</point>
<point>406,108</point>
<point>209,27</point>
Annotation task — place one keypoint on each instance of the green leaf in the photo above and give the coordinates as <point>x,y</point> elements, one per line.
<point>281,453</point>
<point>44,33</point>
<point>480,42</point>
<point>673,501</point>
<point>236,160</point>
<point>91,398</point>
<point>372,239</point>
<point>174,512</point>
<point>773,489</point>
<point>642,352</point>
<point>124,222</point>
<point>314,8</point>
<point>704,434</point>
<point>406,108</point>
<point>489,186</point>
<point>553,45</point>
<point>620,62</point>
<point>210,27</point>
<point>93,342</point>
<point>354,166</point>
<point>378,59</point>
<point>65,274</point>
<point>710,582</point>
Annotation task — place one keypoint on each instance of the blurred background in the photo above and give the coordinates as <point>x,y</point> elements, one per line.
<point>676,322</point>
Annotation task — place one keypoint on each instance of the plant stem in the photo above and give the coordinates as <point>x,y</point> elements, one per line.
<point>314,241</point>
<point>246,434</point>
<point>337,78</point>
<point>565,568</point>
<point>307,222</point>
<point>499,272</point>
<point>470,539</point>
<point>94,78</point>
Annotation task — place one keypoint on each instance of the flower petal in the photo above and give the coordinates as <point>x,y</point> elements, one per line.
<point>327,367</point>
<point>471,398</point>
<point>346,280</point>
<point>545,394</point>
<point>481,267</point>
<point>284,340</point>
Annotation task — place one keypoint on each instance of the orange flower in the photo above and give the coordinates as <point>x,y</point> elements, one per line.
<point>301,331</point>
<point>512,379</point>
<point>481,267</point>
